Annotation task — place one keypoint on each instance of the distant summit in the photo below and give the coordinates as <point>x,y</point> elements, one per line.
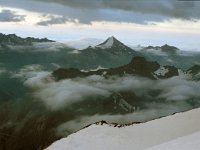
<point>13,39</point>
<point>108,43</point>
<point>169,49</point>
<point>112,42</point>
<point>110,52</point>
<point>165,48</point>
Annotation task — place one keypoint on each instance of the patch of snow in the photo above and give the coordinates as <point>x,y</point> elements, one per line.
<point>161,71</point>
<point>108,43</point>
<point>98,68</point>
<point>183,74</point>
<point>134,137</point>
<point>105,72</point>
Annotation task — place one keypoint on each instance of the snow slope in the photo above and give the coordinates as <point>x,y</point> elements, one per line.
<point>134,137</point>
<point>190,142</point>
<point>108,43</point>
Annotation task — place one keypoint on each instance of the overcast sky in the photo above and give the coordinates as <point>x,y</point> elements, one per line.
<point>144,22</point>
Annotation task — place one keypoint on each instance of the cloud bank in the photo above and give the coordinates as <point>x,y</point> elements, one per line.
<point>58,95</point>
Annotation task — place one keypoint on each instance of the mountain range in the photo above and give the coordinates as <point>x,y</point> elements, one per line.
<point>13,39</point>
<point>138,66</point>
<point>108,54</point>
<point>49,90</point>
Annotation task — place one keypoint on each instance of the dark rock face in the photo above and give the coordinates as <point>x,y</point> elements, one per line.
<point>195,72</point>
<point>12,39</point>
<point>138,66</point>
<point>67,73</point>
<point>123,102</point>
<point>194,69</point>
<point>143,67</point>
<point>172,71</point>
<point>169,49</point>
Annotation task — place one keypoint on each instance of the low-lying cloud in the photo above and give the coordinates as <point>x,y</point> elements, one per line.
<point>139,116</point>
<point>38,47</point>
<point>178,89</point>
<point>2,71</point>
<point>61,94</point>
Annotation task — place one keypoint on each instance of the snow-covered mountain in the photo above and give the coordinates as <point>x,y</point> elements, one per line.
<point>110,53</point>
<point>141,136</point>
<point>115,46</point>
<point>112,42</point>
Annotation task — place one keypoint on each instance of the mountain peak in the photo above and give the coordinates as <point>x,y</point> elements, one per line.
<point>111,38</point>
<point>110,43</point>
<point>107,43</point>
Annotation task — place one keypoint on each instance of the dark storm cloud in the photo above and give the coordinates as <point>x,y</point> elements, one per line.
<point>10,16</point>
<point>86,11</point>
<point>172,8</point>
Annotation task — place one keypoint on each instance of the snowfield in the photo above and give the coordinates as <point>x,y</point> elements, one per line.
<point>179,131</point>
<point>189,142</point>
<point>108,43</point>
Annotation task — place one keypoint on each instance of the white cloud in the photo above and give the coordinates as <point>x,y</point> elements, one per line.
<point>61,94</point>
<point>2,71</point>
<point>177,88</point>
